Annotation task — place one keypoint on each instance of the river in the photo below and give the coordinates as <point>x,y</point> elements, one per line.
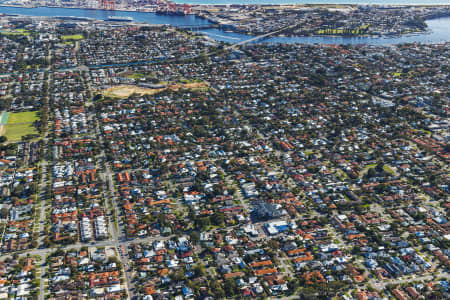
<point>438,28</point>
<point>100,14</point>
<point>438,32</point>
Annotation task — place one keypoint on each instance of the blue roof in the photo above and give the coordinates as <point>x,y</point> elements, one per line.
<point>187,291</point>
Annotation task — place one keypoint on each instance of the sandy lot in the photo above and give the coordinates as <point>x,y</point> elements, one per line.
<point>123,91</point>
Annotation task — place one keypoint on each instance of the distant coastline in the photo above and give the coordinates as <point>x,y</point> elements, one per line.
<point>50,6</point>
<point>318,2</point>
<point>436,33</point>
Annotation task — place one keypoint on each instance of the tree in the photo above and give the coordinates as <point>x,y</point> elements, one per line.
<point>381,188</point>
<point>217,290</point>
<point>218,219</point>
<point>219,293</point>
<point>4,213</point>
<point>97,97</point>
<point>447,147</point>
<point>195,237</point>
<point>380,167</point>
<point>3,139</point>
<point>273,244</point>
<point>202,222</point>
<point>200,270</point>
<point>371,173</point>
<point>18,190</point>
<point>178,275</point>
<point>229,287</point>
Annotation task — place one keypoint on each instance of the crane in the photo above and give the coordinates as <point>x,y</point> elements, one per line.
<point>107,4</point>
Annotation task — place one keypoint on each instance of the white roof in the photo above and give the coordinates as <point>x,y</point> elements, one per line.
<point>114,288</point>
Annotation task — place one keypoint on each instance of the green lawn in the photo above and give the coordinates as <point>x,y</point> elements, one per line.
<point>15,32</point>
<point>20,124</point>
<point>136,76</point>
<point>331,31</point>
<point>388,169</point>
<point>356,31</point>
<point>308,151</point>
<point>341,174</point>
<point>366,169</point>
<point>186,81</point>
<point>23,117</point>
<point>75,37</point>
<point>15,132</point>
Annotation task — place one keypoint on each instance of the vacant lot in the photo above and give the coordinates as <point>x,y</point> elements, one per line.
<point>123,91</point>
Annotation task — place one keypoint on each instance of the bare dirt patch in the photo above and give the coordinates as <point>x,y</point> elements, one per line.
<point>191,86</point>
<point>123,91</point>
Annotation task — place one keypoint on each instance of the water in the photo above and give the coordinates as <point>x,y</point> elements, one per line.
<point>152,18</point>
<point>438,28</point>
<point>378,2</point>
<point>438,32</point>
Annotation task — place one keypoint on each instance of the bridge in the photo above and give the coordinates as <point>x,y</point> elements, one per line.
<point>197,27</point>
<point>263,36</point>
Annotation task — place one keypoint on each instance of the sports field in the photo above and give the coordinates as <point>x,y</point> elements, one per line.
<point>16,132</point>
<point>23,117</point>
<point>74,37</point>
<point>15,32</point>
<point>19,124</point>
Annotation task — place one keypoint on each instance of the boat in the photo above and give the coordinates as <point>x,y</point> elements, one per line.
<point>120,19</point>
<point>170,13</point>
<point>75,18</point>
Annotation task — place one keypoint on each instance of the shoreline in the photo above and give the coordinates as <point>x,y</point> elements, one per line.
<point>225,27</point>
<point>229,31</point>
<point>195,3</point>
<point>293,5</point>
<point>64,7</point>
